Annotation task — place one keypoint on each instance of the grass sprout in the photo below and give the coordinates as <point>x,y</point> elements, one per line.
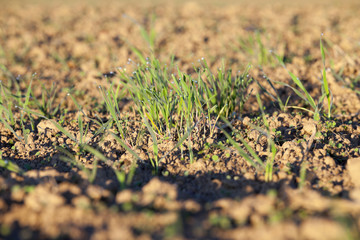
<point>254,46</point>
<point>123,178</point>
<point>7,105</point>
<point>248,153</point>
<point>13,103</point>
<point>155,161</point>
<point>70,158</point>
<point>9,165</point>
<point>276,98</point>
<point>223,92</point>
<point>271,144</point>
<point>148,34</point>
<point>112,106</point>
<point>325,84</point>
<point>170,99</point>
<point>304,94</point>
<point>45,105</point>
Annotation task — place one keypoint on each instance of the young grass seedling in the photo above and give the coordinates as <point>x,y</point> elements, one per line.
<point>325,84</point>
<point>271,144</point>
<point>249,154</point>
<point>254,46</point>
<point>10,166</point>
<point>252,158</point>
<point>304,94</point>
<point>6,105</point>
<point>149,87</point>
<point>223,90</point>
<point>149,36</point>
<point>112,106</point>
<point>282,105</point>
<point>70,158</point>
<point>155,161</point>
<point>47,100</point>
<point>7,115</point>
<point>123,178</point>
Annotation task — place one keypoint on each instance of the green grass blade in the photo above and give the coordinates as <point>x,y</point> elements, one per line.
<point>95,152</point>
<point>65,132</point>
<point>13,167</point>
<point>9,127</point>
<point>124,145</point>
<point>325,82</point>
<point>153,136</point>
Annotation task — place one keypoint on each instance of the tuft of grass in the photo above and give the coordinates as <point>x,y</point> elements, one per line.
<point>178,99</point>
<point>10,104</point>
<point>223,93</point>
<point>173,100</point>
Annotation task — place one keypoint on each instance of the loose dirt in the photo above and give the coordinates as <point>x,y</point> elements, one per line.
<point>76,46</point>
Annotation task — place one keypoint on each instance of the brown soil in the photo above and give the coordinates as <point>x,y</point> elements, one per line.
<point>74,44</point>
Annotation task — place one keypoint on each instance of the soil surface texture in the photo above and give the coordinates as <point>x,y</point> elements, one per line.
<point>67,52</point>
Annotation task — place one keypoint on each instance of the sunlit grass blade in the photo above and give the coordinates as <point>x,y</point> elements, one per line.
<point>297,81</point>
<point>250,159</point>
<point>64,131</point>
<point>154,162</point>
<point>270,163</point>
<point>8,126</point>
<point>271,145</point>
<point>325,82</point>
<point>70,158</point>
<point>124,145</point>
<point>9,165</point>
<point>113,109</point>
<point>139,54</point>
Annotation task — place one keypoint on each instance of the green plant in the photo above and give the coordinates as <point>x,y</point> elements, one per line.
<point>149,89</point>
<point>111,101</point>
<point>6,106</point>
<point>248,153</point>
<point>275,98</point>
<point>223,93</point>
<point>10,104</point>
<point>271,145</point>
<point>178,101</point>
<point>254,46</point>
<point>148,34</point>
<point>304,94</point>
<point>155,161</point>
<point>10,166</point>
<point>325,84</point>
<point>46,104</point>
<point>330,124</point>
<point>70,158</point>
